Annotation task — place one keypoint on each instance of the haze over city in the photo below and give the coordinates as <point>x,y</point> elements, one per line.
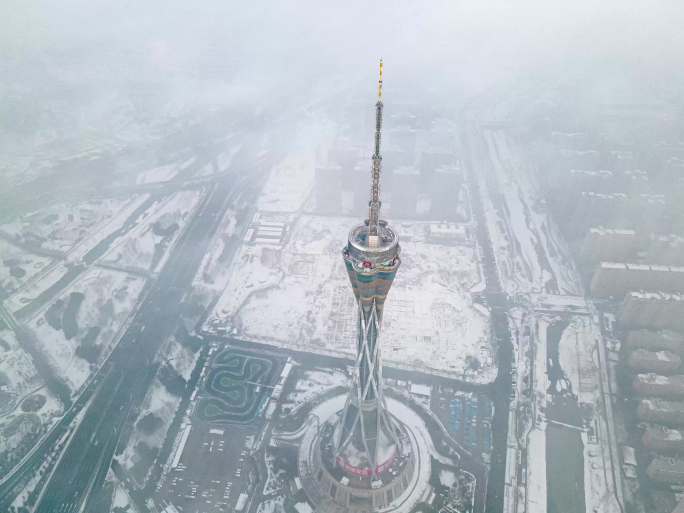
<point>298,257</point>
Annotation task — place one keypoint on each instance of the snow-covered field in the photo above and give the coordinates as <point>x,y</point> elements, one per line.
<point>33,287</point>
<point>296,294</point>
<point>17,373</point>
<point>19,380</point>
<point>181,358</point>
<point>109,298</point>
<point>43,273</point>
<point>314,383</point>
<point>62,226</point>
<point>161,404</point>
<point>107,227</point>
<point>17,266</point>
<point>214,269</point>
<point>157,174</point>
<point>146,247</point>
<point>530,251</point>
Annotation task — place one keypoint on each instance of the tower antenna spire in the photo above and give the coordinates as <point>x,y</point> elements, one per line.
<point>374,203</point>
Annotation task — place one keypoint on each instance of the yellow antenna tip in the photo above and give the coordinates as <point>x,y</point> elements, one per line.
<point>380,82</point>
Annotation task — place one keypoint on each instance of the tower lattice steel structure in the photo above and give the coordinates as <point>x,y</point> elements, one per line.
<point>367,440</point>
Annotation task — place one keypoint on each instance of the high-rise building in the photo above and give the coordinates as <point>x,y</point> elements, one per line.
<point>364,454</point>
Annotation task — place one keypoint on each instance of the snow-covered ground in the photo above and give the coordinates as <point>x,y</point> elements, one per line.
<point>49,272</point>
<point>530,252</point>
<point>312,384</point>
<point>41,281</point>
<point>181,358</point>
<point>17,266</point>
<point>294,292</point>
<point>536,472</point>
<point>276,505</point>
<point>106,228</point>
<point>157,174</point>
<point>161,404</point>
<point>536,438</point>
<point>109,298</point>
<point>215,267</point>
<point>121,502</point>
<point>62,226</point>
<point>17,373</point>
<point>19,380</point>
<point>146,247</point>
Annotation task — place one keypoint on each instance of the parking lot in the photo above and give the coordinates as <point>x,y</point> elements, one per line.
<point>213,470</point>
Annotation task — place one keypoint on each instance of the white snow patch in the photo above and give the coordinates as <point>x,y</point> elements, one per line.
<point>142,248</point>
<point>110,298</point>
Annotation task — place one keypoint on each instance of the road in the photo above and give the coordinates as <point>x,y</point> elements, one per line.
<point>87,459</point>
<point>499,304</point>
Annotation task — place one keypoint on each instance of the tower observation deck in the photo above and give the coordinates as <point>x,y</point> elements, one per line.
<point>364,452</point>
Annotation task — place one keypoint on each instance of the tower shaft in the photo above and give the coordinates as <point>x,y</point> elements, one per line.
<point>367,441</point>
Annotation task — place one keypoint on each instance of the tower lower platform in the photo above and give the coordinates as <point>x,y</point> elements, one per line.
<point>336,485</point>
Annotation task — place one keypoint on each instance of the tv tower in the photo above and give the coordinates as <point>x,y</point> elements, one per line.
<point>372,259</point>
<point>364,455</point>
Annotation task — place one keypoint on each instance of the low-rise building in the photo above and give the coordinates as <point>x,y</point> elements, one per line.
<point>660,362</point>
<point>609,244</point>
<point>670,413</point>
<point>652,310</point>
<point>651,340</point>
<point>618,278</point>
<point>663,439</point>
<point>666,470</point>
<point>659,386</point>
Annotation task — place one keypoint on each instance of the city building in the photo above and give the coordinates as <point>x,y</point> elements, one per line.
<point>660,362</point>
<point>663,340</point>
<point>666,470</point>
<point>617,278</point>
<point>609,244</point>
<point>652,310</point>
<point>663,439</point>
<point>651,384</point>
<point>670,413</point>
<point>665,249</point>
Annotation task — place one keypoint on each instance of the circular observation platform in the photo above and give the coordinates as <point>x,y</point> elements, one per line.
<point>382,248</point>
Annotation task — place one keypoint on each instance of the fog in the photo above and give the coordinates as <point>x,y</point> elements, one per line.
<point>81,57</point>
<point>195,317</point>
